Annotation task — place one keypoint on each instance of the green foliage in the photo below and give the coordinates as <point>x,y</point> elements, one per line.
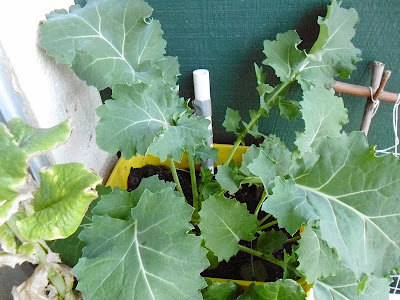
<point>271,241</point>
<point>323,114</point>
<point>137,244</point>
<point>149,119</point>
<point>31,214</point>
<point>281,289</point>
<point>220,290</point>
<point>223,223</point>
<point>228,179</point>
<point>333,53</point>
<point>124,47</point>
<point>148,255</point>
<point>315,252</point>
<point>60,203</point>
<point>283,55</point>
<point>19,141</point>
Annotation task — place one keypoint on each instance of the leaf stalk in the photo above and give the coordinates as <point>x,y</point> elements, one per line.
<point>193,180</point>
<point>267,257</point>
<point>261,111</point>
<point>268,225</point>
<point>263,197</point>
<point>175,176</point>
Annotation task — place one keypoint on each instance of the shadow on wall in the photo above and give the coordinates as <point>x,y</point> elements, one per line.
<point>10,277</point>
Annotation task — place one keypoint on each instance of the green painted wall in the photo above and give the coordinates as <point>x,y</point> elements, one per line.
<point>226,37</point>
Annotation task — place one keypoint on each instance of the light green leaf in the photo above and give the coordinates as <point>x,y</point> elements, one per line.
<point>70,248</point>
<point>283,55</point>
<point>35,140</point>
<point>344,286</point>
<point>60,203</point>
<point>12,173</point>
<point>149,257</point>
<point>333,53</point>
<point>232,119</point>
<point>228,178</point>
<point>271,241</point>
<point>219,290</point>
<point>323,114</point>
<point>278,290</point>
<point>223,223</point>
<point>317,260</point>
<point>150,119</point>
<point>7,239</point>
<point>354,195</point>
<point>105,49</point>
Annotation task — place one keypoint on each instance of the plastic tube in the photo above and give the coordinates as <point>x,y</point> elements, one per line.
<point>202,103</point>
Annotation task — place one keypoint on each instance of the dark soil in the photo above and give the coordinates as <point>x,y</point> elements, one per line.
<point>247,194</point>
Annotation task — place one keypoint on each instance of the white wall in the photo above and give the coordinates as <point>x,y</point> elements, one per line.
<point>47,94</point>
<point>51,93</point>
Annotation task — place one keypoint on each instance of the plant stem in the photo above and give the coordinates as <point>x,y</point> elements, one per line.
<point>264,219</point>
<point>270,99</point>
<point>11,223</point>
<point>59,283</point>
<point>242,136</point>
<point>263,197</point>
<point>175,176</point>
<point>268,225</point>
<point>267,257</point>
<point>193,180</point>
<point>42,255</point>
<point>293,239</point>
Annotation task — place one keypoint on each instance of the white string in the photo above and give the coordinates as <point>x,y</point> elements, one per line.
<point>375,101</point>
<point>395,129</point>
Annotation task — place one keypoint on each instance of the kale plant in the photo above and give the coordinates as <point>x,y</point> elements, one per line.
<point>140,244</point>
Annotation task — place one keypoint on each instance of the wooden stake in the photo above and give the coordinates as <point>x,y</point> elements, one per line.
<point>362,91</point>
<point>377,71</point>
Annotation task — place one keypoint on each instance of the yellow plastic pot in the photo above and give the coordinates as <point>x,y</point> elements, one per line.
<point>119,177</point>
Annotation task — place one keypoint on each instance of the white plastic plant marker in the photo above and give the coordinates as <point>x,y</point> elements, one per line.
<point>202,102</point>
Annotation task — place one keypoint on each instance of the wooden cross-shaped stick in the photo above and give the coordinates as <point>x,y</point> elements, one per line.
<point>378,82</point>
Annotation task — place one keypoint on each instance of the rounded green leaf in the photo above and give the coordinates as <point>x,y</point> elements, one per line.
<point>150,256</point>
<point>223,223</point>
<point>35,140</point>
<point>60,203</point>
<point>12,173</point>
<point>106,48</point>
